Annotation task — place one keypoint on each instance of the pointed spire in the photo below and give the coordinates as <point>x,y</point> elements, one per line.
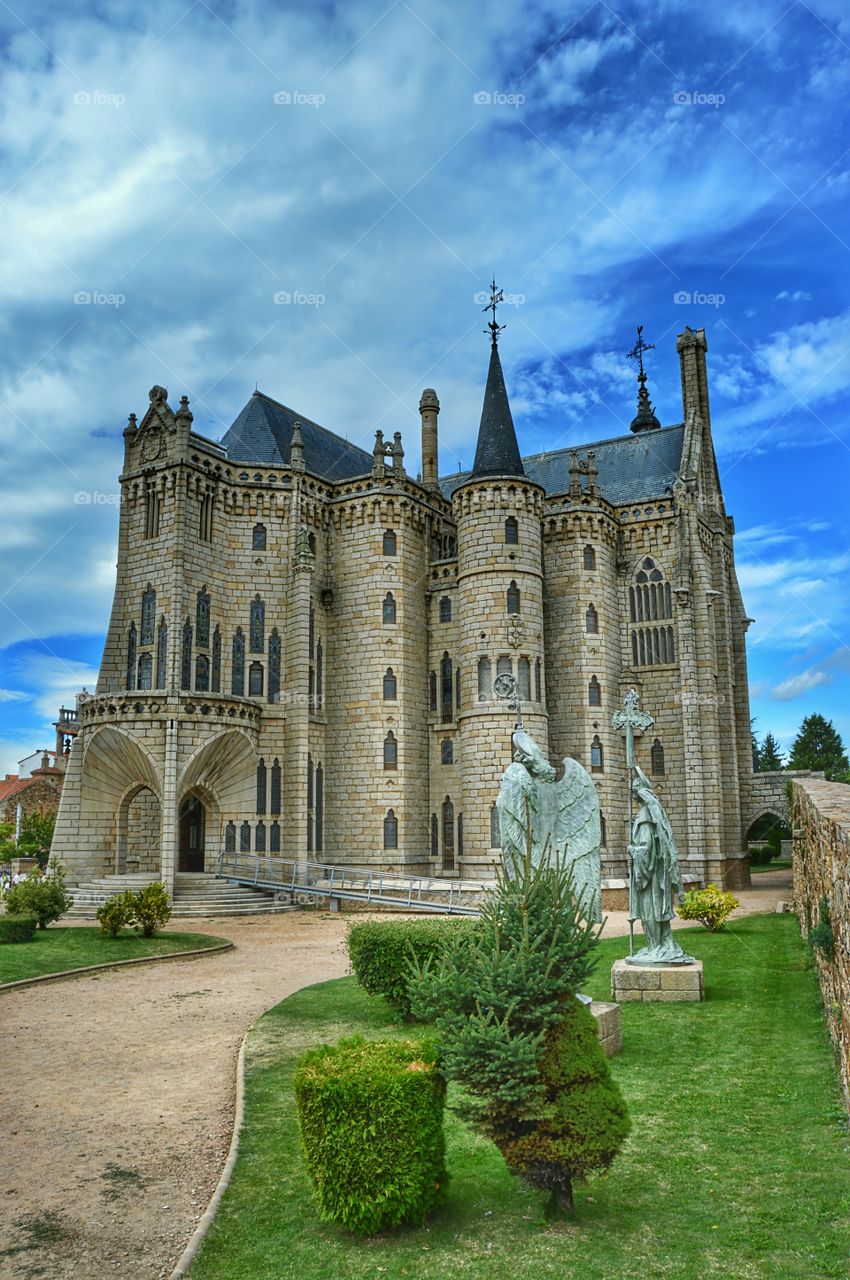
<point>497,451</point>
<point>644,419</point>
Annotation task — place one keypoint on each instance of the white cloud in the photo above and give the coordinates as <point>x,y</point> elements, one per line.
<point>12,695</point>
<point>798,295</point>
<point>799,684</point>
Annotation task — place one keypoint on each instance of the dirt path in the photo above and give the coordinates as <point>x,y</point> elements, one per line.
<point>119,1092</point>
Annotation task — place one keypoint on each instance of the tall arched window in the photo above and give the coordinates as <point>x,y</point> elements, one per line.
<point>446,688</point>
<point>389,609</point>
<point>589,557</point>
<point>651,601</point>
<point>274,666</point>
<point>495,832</point>
<point>485,680</point>
<point>215,674</point>
<point>390,685</point>
<point>148,615</point>
<point>145,671</point>
<point>202,619</point>
<point>538,681</point>
<point>594,693</point>
<point>504,666</point>
<point>603,831</point>
<point>511,531</point>
<point>258,537</point>
<point>320,808</point>
<point>131,656</point>
<point>432,690</point>
<point>390,830</point>
<point>186,657</point>
<point>311,800</point>
<point>161,654</point>
<point>245,838</point>
<point>524,679</point>
<point>237,674</point>
<point>202,673</point>
<point>657,758</point>
<point>320,676</point>
<point>447,751</point>
<point>457,688</point>
<point>274,838</point>
<point>255,680</point>
<point>258,625</point>
<point>230,838</point>
<point>512,598</point>
<point>597,763</point>
<point>260,837</point>
<point>390,751</point>
<point>591,621</point>
<point>390,542</point>
<point>435,836</point>
<point>446,609</point>
<point>261,786</point>
<point>448,835</point>
<point>274,807</point>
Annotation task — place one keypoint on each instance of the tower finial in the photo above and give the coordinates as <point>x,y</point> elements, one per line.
<point>644,419</point>
<point>496,296</point>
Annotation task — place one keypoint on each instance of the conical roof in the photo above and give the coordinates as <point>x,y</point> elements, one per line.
<point>497,451</point>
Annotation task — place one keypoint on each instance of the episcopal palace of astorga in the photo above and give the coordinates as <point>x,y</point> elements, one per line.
<point>304,642</point>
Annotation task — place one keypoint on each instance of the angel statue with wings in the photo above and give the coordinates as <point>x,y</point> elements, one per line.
<point>563,816</point>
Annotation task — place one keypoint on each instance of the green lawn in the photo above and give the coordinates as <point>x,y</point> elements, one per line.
<point>738,1165</point>
<point>55,949</point>
<point>776,864</point>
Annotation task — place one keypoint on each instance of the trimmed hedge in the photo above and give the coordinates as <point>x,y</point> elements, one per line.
<point>382,953</point>
<point>17,928</point>
<point>371,1119</point>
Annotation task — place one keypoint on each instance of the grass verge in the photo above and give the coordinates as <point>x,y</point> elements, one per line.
<point>738,1165</point>
<point>56,949</point>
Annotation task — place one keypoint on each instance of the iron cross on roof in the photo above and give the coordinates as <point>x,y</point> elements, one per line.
<point>637,351</point>
<point>496,296</point>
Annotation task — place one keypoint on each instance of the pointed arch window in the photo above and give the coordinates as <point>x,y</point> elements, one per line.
<point>594,693</point>
<point>311,801</point>
<point>446,688</point>
<point>597,760</point>
<point>202,673</point>
<point>458,689</point>
<point>186,656</point>
<point>512,598</point>
<point>258,625</point>
<point>390,751</point>
<point>205,521</point>
<point>495,829</point>
<point>230,838</point>
<point>274,806</point>
<point>320,676</point>
<point>202,619</point>
<point>390,830</point>
<point>589,557</point>
<point>320,808</point>
<point>657,758</point>
<point>435,836</point>
<point>446,609</point>
<point>151,512</point>
<point>538,681</point>
<point>591,621</point>
<point>145,671</point>
<point>274,838</point>
<point>261,786</point>
<point>255,680</point>
<point>258,537</point>
<point>448,834</point>
<point>245,838</point>
<point>237,674</point>
<point>131,656</point>
<point>524,679</point>
<point>390,542</point>
<point>511,531</point>
<point>603,831</point>
<point>215,672</point>
<point>161,653</point>
<point>390,686</point>
<point>260,837</point>
<point>485,680</point>
<point>447,751</point>
<point>504,666</point>
<point>311,631</point>
<point>432,690</point>
<point>148,615</point>
<point>274,666</point>
<point>651,602</point>
<point>389,609</point>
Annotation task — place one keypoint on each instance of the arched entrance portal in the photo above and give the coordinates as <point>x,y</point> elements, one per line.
<point>192,835</point>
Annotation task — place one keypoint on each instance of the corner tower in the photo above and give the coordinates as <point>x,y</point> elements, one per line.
<point>498,512</point>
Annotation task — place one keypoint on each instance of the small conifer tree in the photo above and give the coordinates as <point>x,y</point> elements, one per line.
<point>818,745</point>
<point>770,757</point>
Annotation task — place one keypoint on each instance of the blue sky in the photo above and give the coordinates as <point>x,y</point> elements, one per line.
<point>168,169</point>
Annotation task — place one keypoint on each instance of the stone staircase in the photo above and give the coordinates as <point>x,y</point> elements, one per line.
<point>194,895</point>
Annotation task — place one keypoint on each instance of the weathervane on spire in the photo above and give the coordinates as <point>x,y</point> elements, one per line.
<point>637,351</point>
<point>496,296</point>
<point>645,419</point>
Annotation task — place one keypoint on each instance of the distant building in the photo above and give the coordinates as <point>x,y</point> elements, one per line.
<point>304,641</point>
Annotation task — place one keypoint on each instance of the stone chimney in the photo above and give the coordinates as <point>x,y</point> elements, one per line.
<point>429,408</point>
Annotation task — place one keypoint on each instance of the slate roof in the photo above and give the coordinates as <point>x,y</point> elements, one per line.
<point>497,452</point>
<point>262,434</point>
<point>632,468</point>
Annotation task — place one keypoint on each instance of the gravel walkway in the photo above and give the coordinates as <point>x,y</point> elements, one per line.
<point>119,1092</point>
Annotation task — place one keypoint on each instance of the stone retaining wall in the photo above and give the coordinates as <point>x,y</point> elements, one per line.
<point>820,815</point>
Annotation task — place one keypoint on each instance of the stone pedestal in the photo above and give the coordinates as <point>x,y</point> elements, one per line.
<point>608,1025</point>
<point>657,982</point>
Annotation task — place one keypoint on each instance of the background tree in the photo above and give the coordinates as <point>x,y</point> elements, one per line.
<point>754,744</point>
<point>818,745</point>
<point>770,757</point>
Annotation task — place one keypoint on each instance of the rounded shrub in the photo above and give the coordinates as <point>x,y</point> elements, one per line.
<point>18,928</point>
<point>710,906</point>
<point>371,1120</point>
<point>384,954</point>
<point>41,896</point>
<point>116,912</point>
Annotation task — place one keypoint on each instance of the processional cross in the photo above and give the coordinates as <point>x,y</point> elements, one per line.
<point>631,720</point>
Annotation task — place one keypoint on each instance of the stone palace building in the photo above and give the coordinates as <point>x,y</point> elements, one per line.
<point>304,641</point>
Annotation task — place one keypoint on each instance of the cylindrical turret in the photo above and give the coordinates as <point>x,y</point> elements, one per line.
<point>429,408</point>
